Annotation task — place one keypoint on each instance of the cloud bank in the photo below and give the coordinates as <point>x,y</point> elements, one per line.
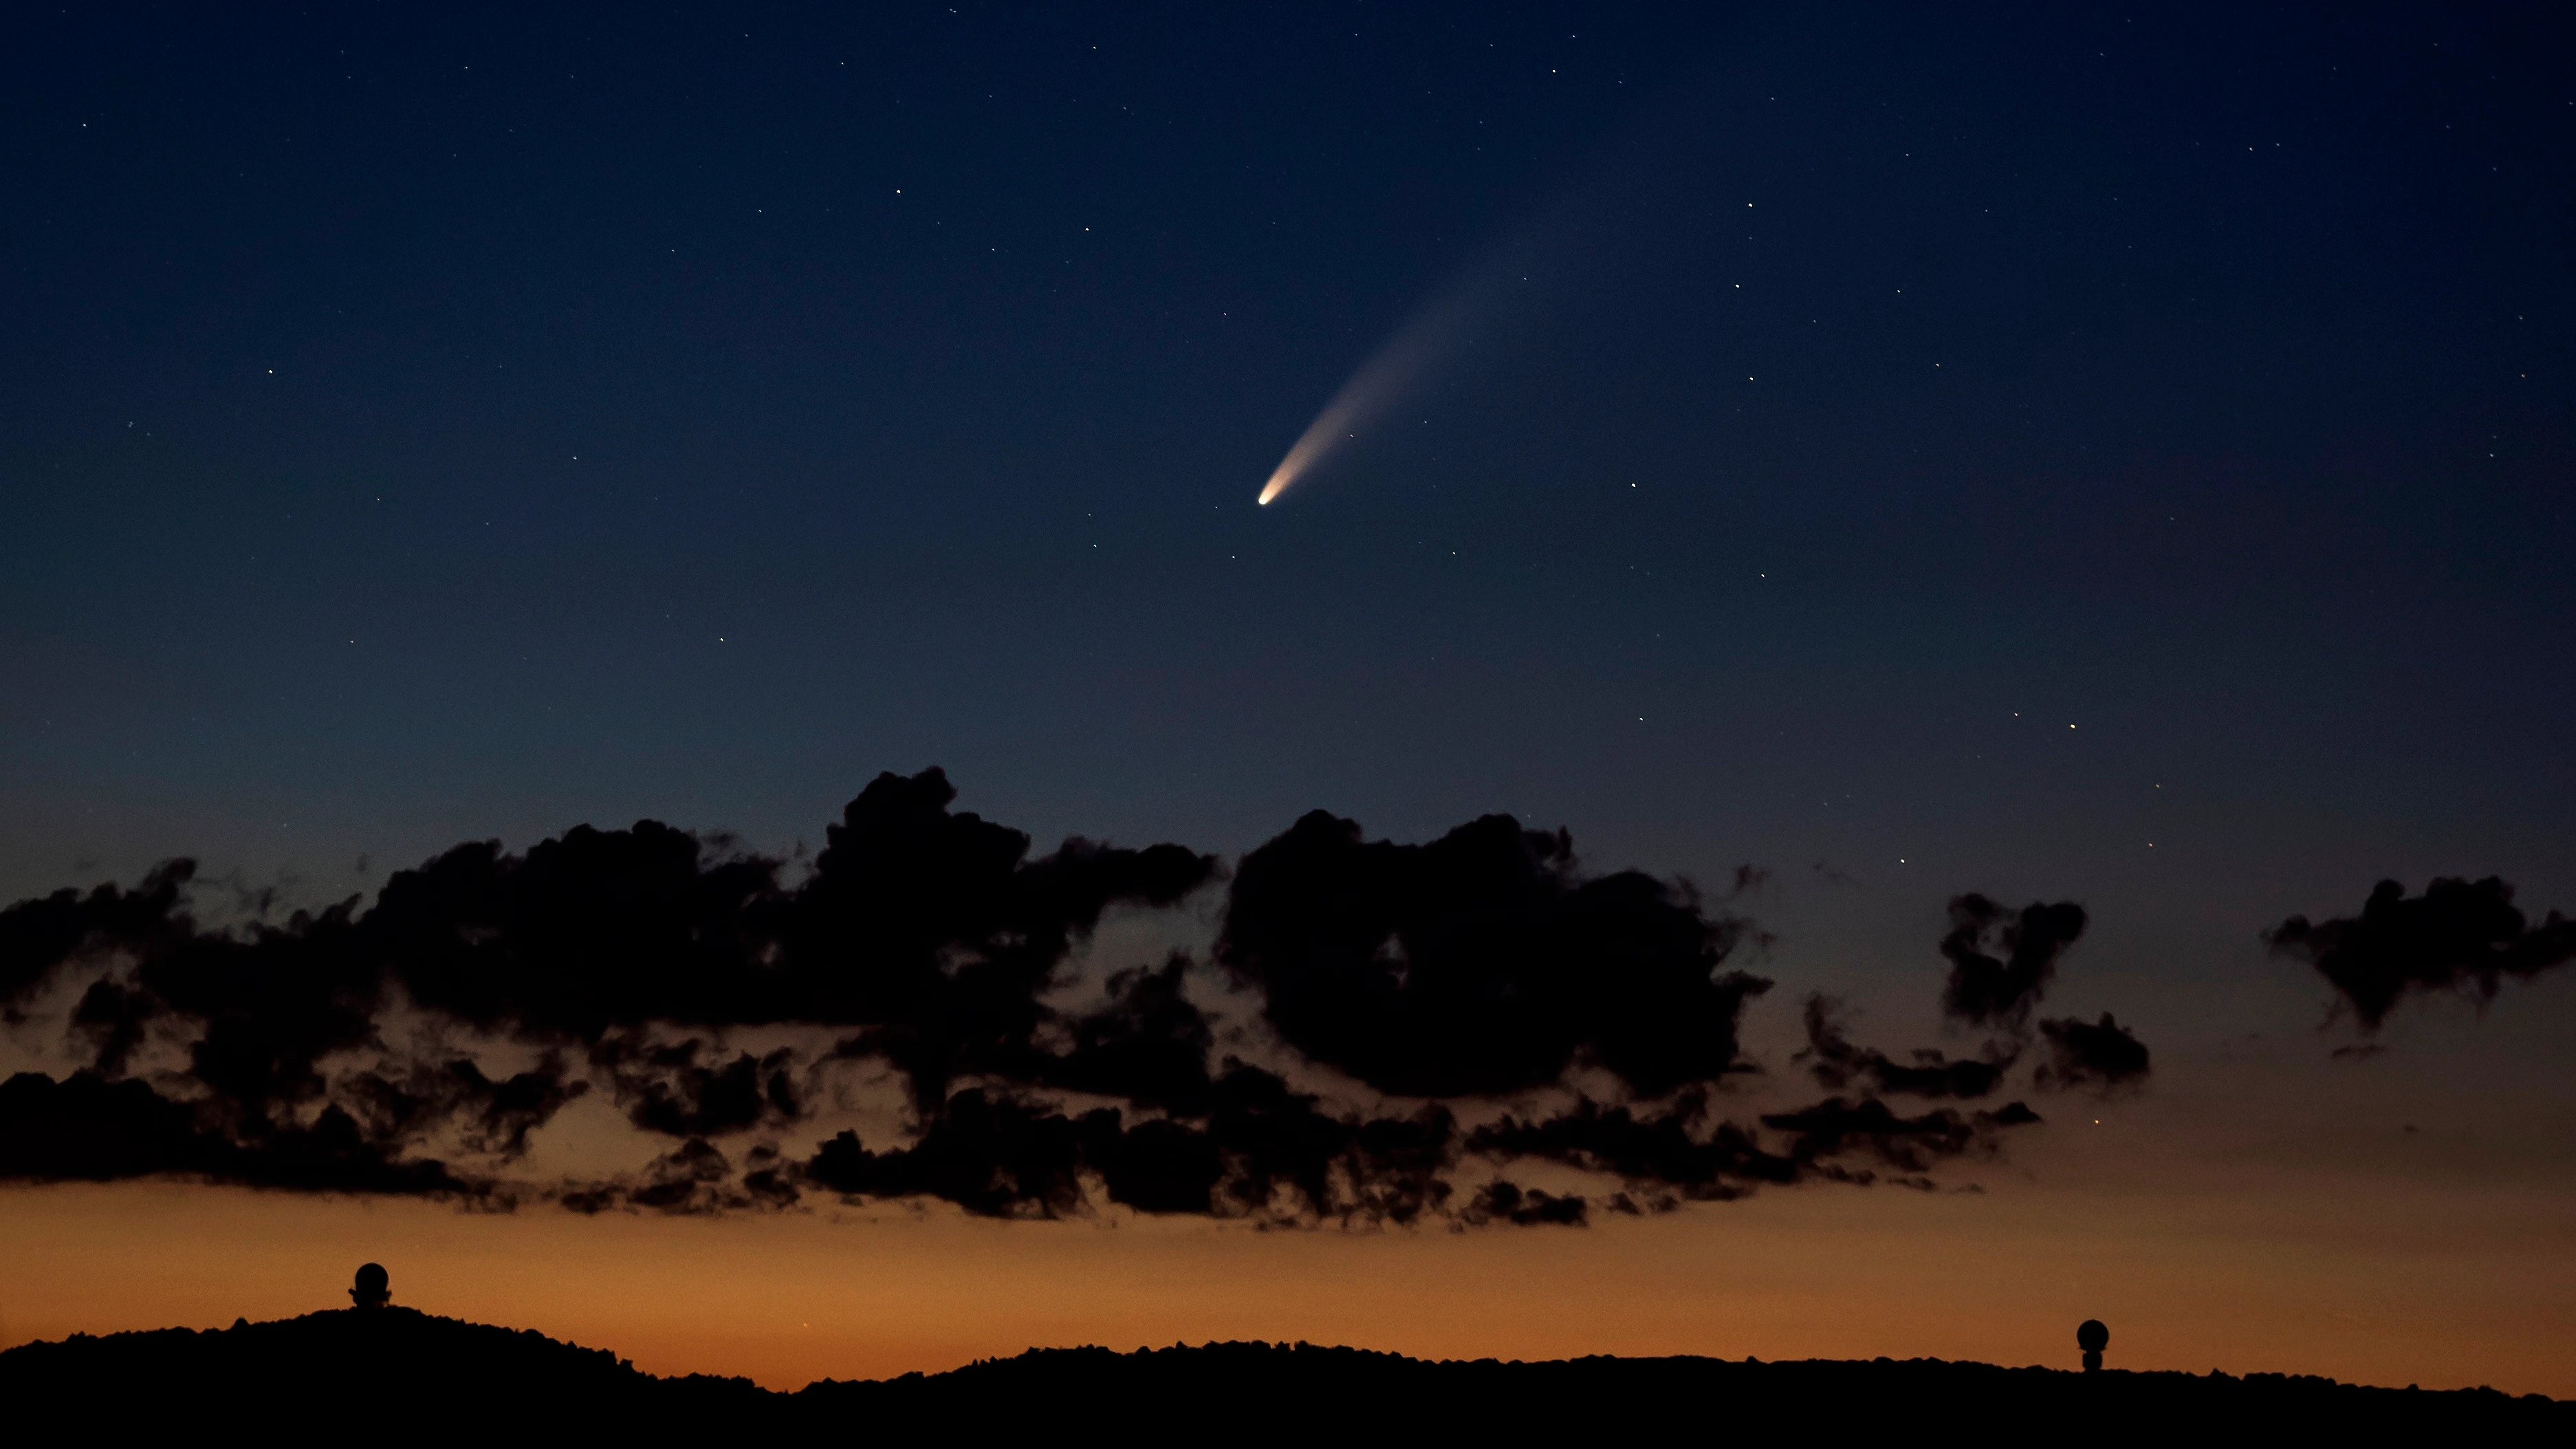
<point>1473,1030</point>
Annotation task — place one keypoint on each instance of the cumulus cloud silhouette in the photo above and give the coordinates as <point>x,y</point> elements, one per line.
<point>1262,1150</point>
<point>1837,1063</point>
<point>673,1090</point>
<point>2459,935</point>
<point>1686,1152</point>
<point>1484,962</point>
<point>2100,1054</point>
<point>2001,960</point>
<point>932,932</point>
<point>86,1127</point>
<point>1441,1021</point>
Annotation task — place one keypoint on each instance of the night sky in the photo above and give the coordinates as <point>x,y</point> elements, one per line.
<point>1863,462</point>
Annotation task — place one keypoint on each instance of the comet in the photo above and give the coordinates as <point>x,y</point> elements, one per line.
<point>1549,259</point>
<point>1438,330</point>
<point>1379,384</point>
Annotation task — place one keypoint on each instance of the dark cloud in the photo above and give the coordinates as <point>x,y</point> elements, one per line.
<point>934,932</point>
<point>114,1018</point>
<point>488,1116</point>
<point>1686,1152</point>
<point>316,1052</point>
<point>39,937</point>
<point>1504,1201</point>
<point>88,1128</point>
<point>1680,1149</point>
<point>1829,1135</point>
<point>1485,962</point>
<point>697,1179</point>
<point>931,929</point>
<point>596,931</point>
<point>992,1156</point>
<point>2459,935</point>
<point>1261,1150</point>
<point>2101,1054</point>
<point>683,1178</point>
<point>1149,1044</point>
<point>2002,960</point>
<point>335,1153</point>
<point>1155,1166</point>
<point>1292,1160</point>
<point>1837,1063</point>
<point>934,927</point>
<point>2001,964</point>
<point>672,1090</point>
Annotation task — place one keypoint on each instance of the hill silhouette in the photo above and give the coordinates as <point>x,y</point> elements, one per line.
<point>398,1375</point>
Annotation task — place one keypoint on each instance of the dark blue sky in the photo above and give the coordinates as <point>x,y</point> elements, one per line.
<point>426,425</point>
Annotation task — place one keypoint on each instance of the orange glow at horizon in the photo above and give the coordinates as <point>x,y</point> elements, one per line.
<point>2447,1284</point>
